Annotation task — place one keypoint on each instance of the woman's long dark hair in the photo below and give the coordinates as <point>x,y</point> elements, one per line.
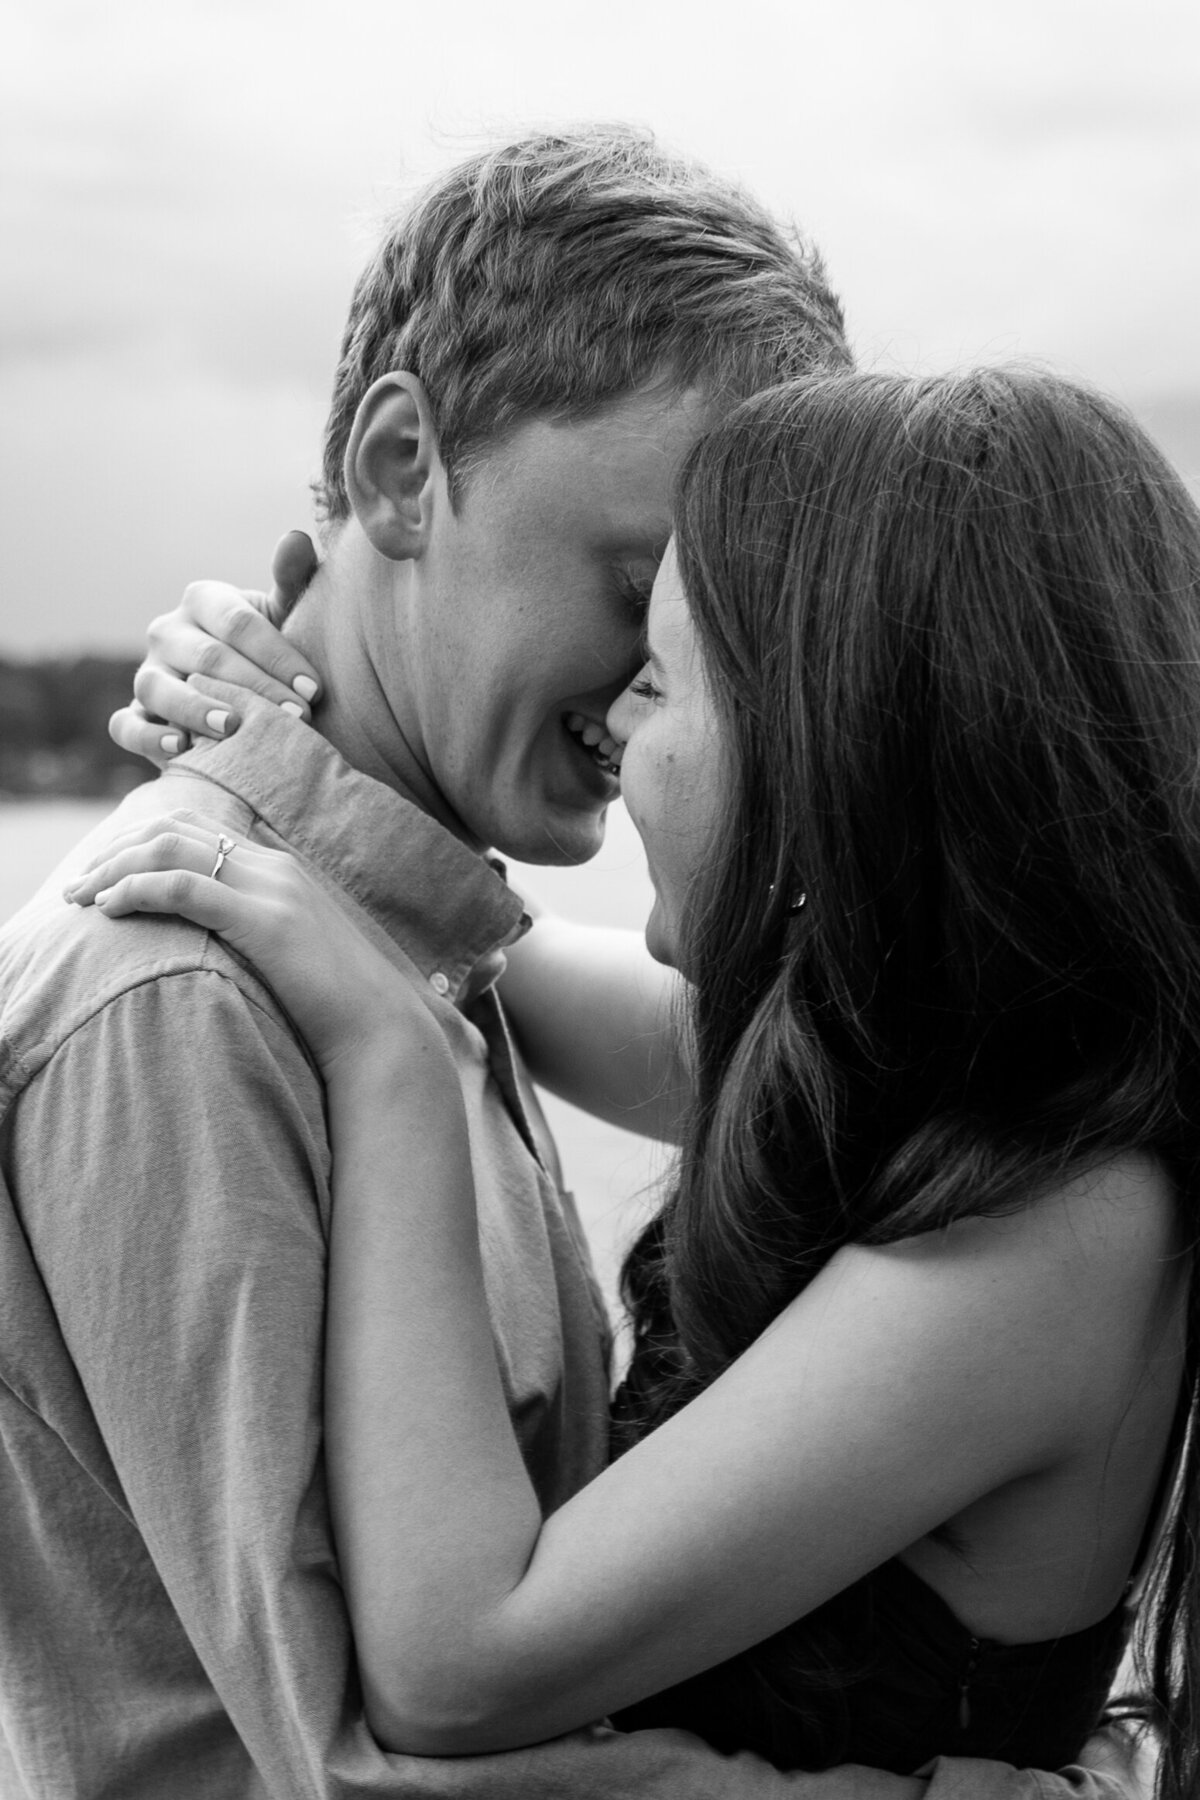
<point>952,629</point>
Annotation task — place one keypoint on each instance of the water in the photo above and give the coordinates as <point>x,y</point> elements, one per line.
<point>610,1171</point>
<point>34,834</point>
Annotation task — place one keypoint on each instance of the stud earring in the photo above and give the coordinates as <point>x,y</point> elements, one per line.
<point>795,906</point>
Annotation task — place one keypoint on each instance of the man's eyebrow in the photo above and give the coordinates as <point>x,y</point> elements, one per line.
<point>636,541</point>
<point>634,586</point>
<point>637,565</point>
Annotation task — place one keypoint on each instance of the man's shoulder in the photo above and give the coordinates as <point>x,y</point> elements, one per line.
<point>61,965</point>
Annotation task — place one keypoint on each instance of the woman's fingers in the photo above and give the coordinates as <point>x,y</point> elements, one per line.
<point>184,892</point>
<point>191,651</point>
<point>168,711</point>
<point>180,818</point>
<point>172,849</point>
<point>217,631</point>
<point>162,694</point>
<point>132,728</point>
<point>174,840</point>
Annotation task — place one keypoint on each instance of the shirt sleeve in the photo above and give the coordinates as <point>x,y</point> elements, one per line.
<point>174,1187</point>
<point>175,1192</point>
<point>1117,1764</point>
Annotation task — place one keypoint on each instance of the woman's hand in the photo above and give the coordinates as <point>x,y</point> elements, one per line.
<point>345,998</point>
<point>228,635</point>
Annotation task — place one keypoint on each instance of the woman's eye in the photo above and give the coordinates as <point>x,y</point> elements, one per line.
<point>645,690</point>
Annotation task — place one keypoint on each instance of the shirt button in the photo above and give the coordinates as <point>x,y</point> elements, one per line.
<point>439,983</point>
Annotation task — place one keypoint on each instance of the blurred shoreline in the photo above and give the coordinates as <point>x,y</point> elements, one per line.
<point>54,741</point>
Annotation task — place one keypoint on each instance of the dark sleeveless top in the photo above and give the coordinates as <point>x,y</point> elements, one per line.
<point>906,1681</point>
<point>909,1683</point>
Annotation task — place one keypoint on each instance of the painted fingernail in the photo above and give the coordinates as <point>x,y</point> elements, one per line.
<point>290,706</point>
<point>217,721</point>
<point>306,687</point>
<point>172,744</point>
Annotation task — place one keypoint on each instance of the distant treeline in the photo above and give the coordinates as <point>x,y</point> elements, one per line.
<point>54,727</point>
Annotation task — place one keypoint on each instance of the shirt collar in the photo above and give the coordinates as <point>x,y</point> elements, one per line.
<point>445,905</point>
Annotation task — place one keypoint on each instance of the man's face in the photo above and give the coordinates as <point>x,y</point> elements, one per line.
<point>529,608</point>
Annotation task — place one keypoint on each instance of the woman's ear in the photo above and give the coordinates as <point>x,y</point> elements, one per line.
<point>392,466</point>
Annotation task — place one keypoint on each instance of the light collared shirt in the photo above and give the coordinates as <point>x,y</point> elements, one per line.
<point>172,1624</point>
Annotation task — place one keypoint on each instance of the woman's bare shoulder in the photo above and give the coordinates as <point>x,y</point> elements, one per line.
<point>1087,1274</point>
<point>1125,1205</point>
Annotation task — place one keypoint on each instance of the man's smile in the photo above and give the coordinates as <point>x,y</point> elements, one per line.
<point>592,737</point>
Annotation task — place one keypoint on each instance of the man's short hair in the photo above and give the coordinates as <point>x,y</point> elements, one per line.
<point>549,277</point>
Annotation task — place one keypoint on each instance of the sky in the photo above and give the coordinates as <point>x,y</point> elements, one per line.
<point>188,187</point>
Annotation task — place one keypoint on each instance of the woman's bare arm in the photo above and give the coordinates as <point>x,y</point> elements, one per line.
<point>599,1022</point>
<point>902,1385</point>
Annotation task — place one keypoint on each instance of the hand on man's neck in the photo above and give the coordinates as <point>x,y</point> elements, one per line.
<point>349,622</point>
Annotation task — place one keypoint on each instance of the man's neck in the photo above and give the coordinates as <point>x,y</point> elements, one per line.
<point>350,624</point>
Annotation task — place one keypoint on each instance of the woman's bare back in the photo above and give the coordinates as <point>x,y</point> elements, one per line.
<point>1052,1551</point>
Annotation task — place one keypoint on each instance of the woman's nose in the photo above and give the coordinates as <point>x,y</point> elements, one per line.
<point>617,720</point>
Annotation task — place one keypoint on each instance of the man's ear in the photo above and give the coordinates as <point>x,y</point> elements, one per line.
<point>392,463</point>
